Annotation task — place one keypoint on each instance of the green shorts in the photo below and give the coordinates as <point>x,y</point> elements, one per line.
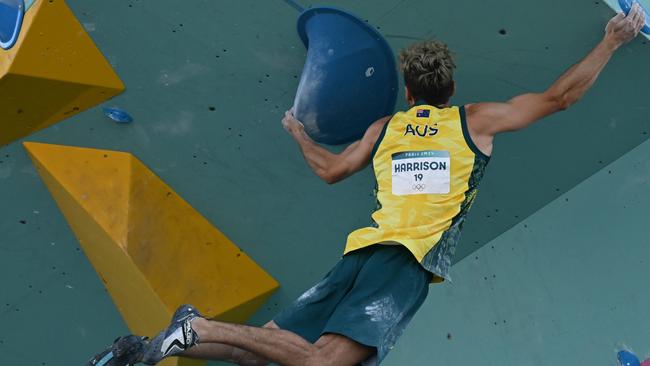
<point>369,296</point>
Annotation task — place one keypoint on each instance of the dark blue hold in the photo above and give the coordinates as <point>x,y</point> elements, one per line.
<point>118,115</point>
<point>626,6</point>
<point>11,20</point>
<point>349,79</point>
<point>627,358</point>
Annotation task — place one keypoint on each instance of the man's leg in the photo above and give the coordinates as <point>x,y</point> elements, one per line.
<point>306,319</point>
<point>223,352</point>
<point>281,346</point>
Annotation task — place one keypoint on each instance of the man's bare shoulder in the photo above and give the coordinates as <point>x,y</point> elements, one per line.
<point>474,113</point>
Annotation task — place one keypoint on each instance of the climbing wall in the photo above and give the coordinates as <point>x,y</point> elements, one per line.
<point>566,286</point>
<point>207,84</point>
<point>150,248</point>
<point>54,71</point>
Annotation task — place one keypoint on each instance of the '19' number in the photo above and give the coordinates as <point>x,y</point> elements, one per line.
<point>419,177</point>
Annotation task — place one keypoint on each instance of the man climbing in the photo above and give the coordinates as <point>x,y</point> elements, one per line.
<point>428,162</point>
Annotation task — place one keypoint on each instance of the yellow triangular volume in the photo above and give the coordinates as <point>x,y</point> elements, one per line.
<point>55,46</point>
<point>97,180</point>
<point>152,250</point>
<point>52,72</point>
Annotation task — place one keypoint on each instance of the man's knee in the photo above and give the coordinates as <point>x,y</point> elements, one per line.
<point>338,351</point>
<point>319,358</point>
<point>245,358</point>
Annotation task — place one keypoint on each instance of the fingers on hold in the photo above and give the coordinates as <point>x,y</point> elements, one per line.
<point>633,15</point>
<point>640,21</point>
<point>639,13</point>
<point>618,17</point>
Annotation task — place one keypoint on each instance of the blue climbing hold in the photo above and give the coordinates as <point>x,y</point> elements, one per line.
<point>11,20</point>
<point>626,6</point>
<point>118,115</point>
<point>627,358</point>
<point>349,79</point>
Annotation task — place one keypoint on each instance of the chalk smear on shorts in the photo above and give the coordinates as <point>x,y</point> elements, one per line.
<point>382,310</point>
<point>309,295</point>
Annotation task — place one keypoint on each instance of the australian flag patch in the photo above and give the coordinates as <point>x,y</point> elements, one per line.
<point>422,113</point>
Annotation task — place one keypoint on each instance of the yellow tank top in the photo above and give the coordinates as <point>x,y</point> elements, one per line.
<point>427,170</point>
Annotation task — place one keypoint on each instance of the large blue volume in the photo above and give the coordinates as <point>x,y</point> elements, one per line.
<point>11,19</point>
<point>349,79</point>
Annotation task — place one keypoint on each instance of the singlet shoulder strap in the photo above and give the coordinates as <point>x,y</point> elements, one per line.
<point>380,139</point>
<point>468,137</point>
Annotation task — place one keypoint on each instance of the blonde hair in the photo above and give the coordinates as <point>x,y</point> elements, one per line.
<point>428,69</point>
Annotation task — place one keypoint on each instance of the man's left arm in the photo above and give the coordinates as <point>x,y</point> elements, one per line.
<point>331,167</point>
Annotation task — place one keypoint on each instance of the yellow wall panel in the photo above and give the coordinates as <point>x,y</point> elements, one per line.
<point>151,249</point>
<point>53,72</point>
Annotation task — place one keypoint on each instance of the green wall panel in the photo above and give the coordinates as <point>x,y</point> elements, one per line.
<point>207,83</point>
<point>566,286</point>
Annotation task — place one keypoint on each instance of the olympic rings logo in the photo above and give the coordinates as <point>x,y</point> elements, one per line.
<point>419,187</point>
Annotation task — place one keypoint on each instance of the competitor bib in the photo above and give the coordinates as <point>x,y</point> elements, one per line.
<point>421,172</point>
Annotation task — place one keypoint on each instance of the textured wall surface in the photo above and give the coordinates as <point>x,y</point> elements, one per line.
<point>207,83</point>
<point>565,286</point>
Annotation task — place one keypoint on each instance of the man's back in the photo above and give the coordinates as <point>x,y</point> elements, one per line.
<point>427,170</point>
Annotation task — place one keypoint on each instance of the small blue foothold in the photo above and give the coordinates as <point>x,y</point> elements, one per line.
<point>627,358</point>
<point>118,115</point>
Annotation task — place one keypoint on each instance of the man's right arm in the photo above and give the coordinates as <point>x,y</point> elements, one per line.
<point>329,166</point>
<point>487,119</point>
